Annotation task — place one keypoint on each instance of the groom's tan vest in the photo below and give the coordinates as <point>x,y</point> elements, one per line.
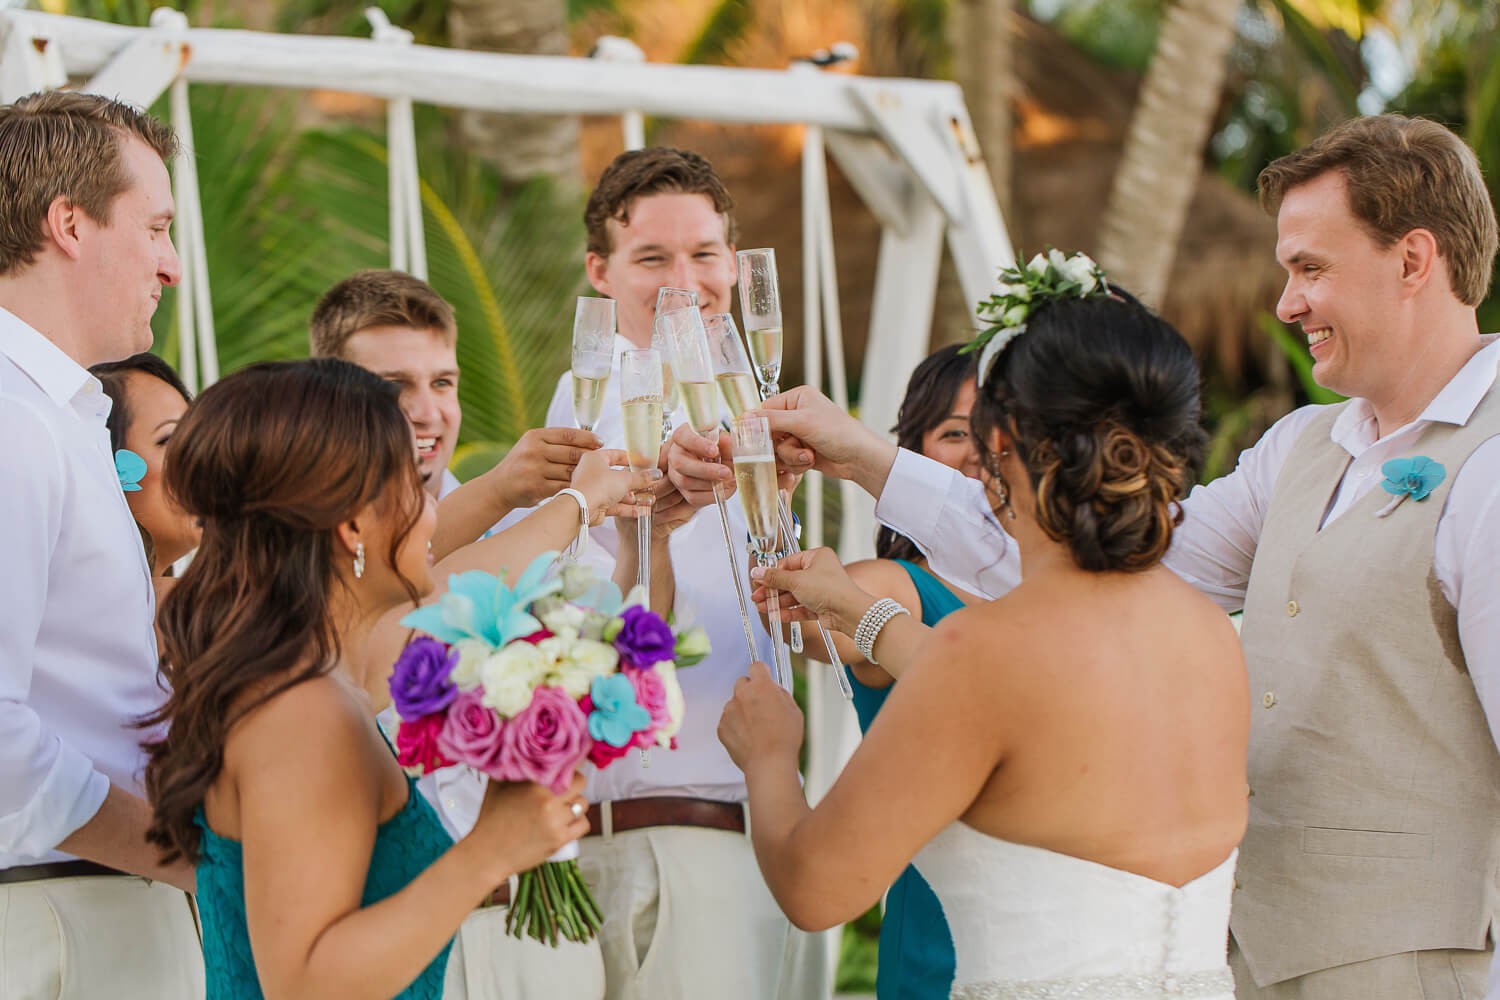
<point>1374,782</point>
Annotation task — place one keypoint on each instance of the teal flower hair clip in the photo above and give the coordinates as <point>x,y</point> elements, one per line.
<point>1414,477</point>
<point>131,468</point>
<point>1024,288</point>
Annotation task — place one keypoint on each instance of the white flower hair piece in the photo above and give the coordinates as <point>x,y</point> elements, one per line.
<point>1022,289</point>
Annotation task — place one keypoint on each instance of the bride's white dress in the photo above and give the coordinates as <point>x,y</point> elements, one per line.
<point>1032,924</point>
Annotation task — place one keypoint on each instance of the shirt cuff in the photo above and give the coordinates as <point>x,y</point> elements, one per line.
<point>68,797</point>
<point>916,489</point>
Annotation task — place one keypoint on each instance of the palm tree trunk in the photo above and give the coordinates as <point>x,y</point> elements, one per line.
<point>980,33</point>
<point>520,146</point>
<point>1163,154</point>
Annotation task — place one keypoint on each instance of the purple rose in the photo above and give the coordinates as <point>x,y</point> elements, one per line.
<point>644,638</point>
<point>546,742</point>
<point>420,684</point>
<point>472,733</point>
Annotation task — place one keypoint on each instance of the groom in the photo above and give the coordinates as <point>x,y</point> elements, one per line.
<point>1366,574</point>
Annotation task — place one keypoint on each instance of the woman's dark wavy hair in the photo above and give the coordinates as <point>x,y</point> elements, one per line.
<point>1100,396</point>
<point>930,393</point>
<point>112,377</point>
<point>272,459</point>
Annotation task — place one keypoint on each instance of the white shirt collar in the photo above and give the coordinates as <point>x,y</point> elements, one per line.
<point>1356,429</point>
<point>56,374</point>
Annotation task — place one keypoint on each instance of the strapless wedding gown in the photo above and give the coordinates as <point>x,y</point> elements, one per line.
<point>1032,924</point>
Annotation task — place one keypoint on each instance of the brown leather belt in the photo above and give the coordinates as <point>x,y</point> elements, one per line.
<point>56,869</point>
<point>667,810</point>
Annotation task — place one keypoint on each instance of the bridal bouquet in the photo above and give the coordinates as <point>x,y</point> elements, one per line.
<point>525,683</point>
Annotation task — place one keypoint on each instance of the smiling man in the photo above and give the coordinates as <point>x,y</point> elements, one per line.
<point>1361,541</point>
<point>86,907</point>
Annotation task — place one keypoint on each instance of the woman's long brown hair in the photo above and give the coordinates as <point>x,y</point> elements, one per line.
<point>271,459</point>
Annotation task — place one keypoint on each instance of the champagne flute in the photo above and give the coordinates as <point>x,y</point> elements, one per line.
<point>668,300</point>
<point>760,307</point>
<point>731,365</point>
<point>688,343</point>
<point>640,412</point>
<point>755,475</point>
<point>593,356</point>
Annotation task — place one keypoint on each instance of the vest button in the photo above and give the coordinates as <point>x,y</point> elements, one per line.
<point>1292,609</point>
<point>1269,699</point>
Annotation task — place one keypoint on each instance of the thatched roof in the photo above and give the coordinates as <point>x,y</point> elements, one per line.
<point>1071,118</point>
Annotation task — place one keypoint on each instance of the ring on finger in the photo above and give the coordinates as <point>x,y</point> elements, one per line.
<point>578,809</point>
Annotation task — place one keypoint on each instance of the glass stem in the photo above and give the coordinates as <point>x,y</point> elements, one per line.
<point>643,553</point>
<point>831,657</point>
<point>781,669</point>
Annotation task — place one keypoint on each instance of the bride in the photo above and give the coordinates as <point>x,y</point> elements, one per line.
<point>1065,764</point>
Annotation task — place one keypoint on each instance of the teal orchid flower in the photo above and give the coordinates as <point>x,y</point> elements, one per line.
<point>131,468</point>
<point>1414,477</point>
<point>616,717</point>
<point>479,605</point>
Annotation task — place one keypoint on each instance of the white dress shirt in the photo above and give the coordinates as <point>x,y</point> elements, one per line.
<point>78,661</point>
<point>700,766</point>
<point>1215,545</point>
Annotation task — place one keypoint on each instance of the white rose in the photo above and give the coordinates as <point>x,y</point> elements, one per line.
<point>1015,316</point>
<point>1018,291</point>
<point>509,676</point>
<point>676,703</point>
<point>1037,265</point>
<point>471,654</point>
<point>564,620</point>
<point>1080,269</point>
<point>586,660</point>
<point>509,694</point>
<point>1056,258</point>
<point>554,652</point>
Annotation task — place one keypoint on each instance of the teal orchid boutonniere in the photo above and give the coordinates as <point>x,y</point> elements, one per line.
<point>131,468</point>
<point>1414,477</point>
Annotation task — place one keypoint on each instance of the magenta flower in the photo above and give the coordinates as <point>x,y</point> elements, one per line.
<point>472,733</point>
<point>644,638</point>
<point>417,744</point>
<point>421,682</point>
<point>650,694</point>
<point>546,742</point>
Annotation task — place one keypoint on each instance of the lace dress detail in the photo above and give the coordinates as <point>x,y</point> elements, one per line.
<point>405,845</point>
<point>1032,924</point>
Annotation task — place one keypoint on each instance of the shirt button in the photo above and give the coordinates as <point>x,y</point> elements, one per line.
<point>1268,699</point>
<point>1292,609</point>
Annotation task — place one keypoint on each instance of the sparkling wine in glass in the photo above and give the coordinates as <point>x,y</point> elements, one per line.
<point>731,365</point>
<point>641,414</point>
<point>686,339</point>
<point>755,476</point>
<point>760,308</point>
<point>593,356</point>
<point>669,300</point>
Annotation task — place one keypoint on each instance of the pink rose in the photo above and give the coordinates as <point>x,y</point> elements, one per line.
<point>471,732</point>
<point>546,742</point>
<point>650,694</point>
<point>417,744</point>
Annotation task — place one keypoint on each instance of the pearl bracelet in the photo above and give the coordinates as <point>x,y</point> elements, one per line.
<point>872,623</point>
<point>576,549</point>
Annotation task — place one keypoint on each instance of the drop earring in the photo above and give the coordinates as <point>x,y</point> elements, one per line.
<point>359,560</point>
<point>999,486</point>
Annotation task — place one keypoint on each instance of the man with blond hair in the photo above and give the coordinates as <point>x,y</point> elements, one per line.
<point>1361,541</point>
<point>86,908</point>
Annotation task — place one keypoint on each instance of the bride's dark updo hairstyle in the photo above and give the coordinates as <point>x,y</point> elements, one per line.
<point>1100,397</point>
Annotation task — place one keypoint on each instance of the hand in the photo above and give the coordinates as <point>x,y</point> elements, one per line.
<point>695,463</point>
<point>603,484</point>
<point>812,585</point>
<point>521,825</point>
<point>761,722</point>
<point>811,432</point>
<point>669,511</point>
<point>540,464</point>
